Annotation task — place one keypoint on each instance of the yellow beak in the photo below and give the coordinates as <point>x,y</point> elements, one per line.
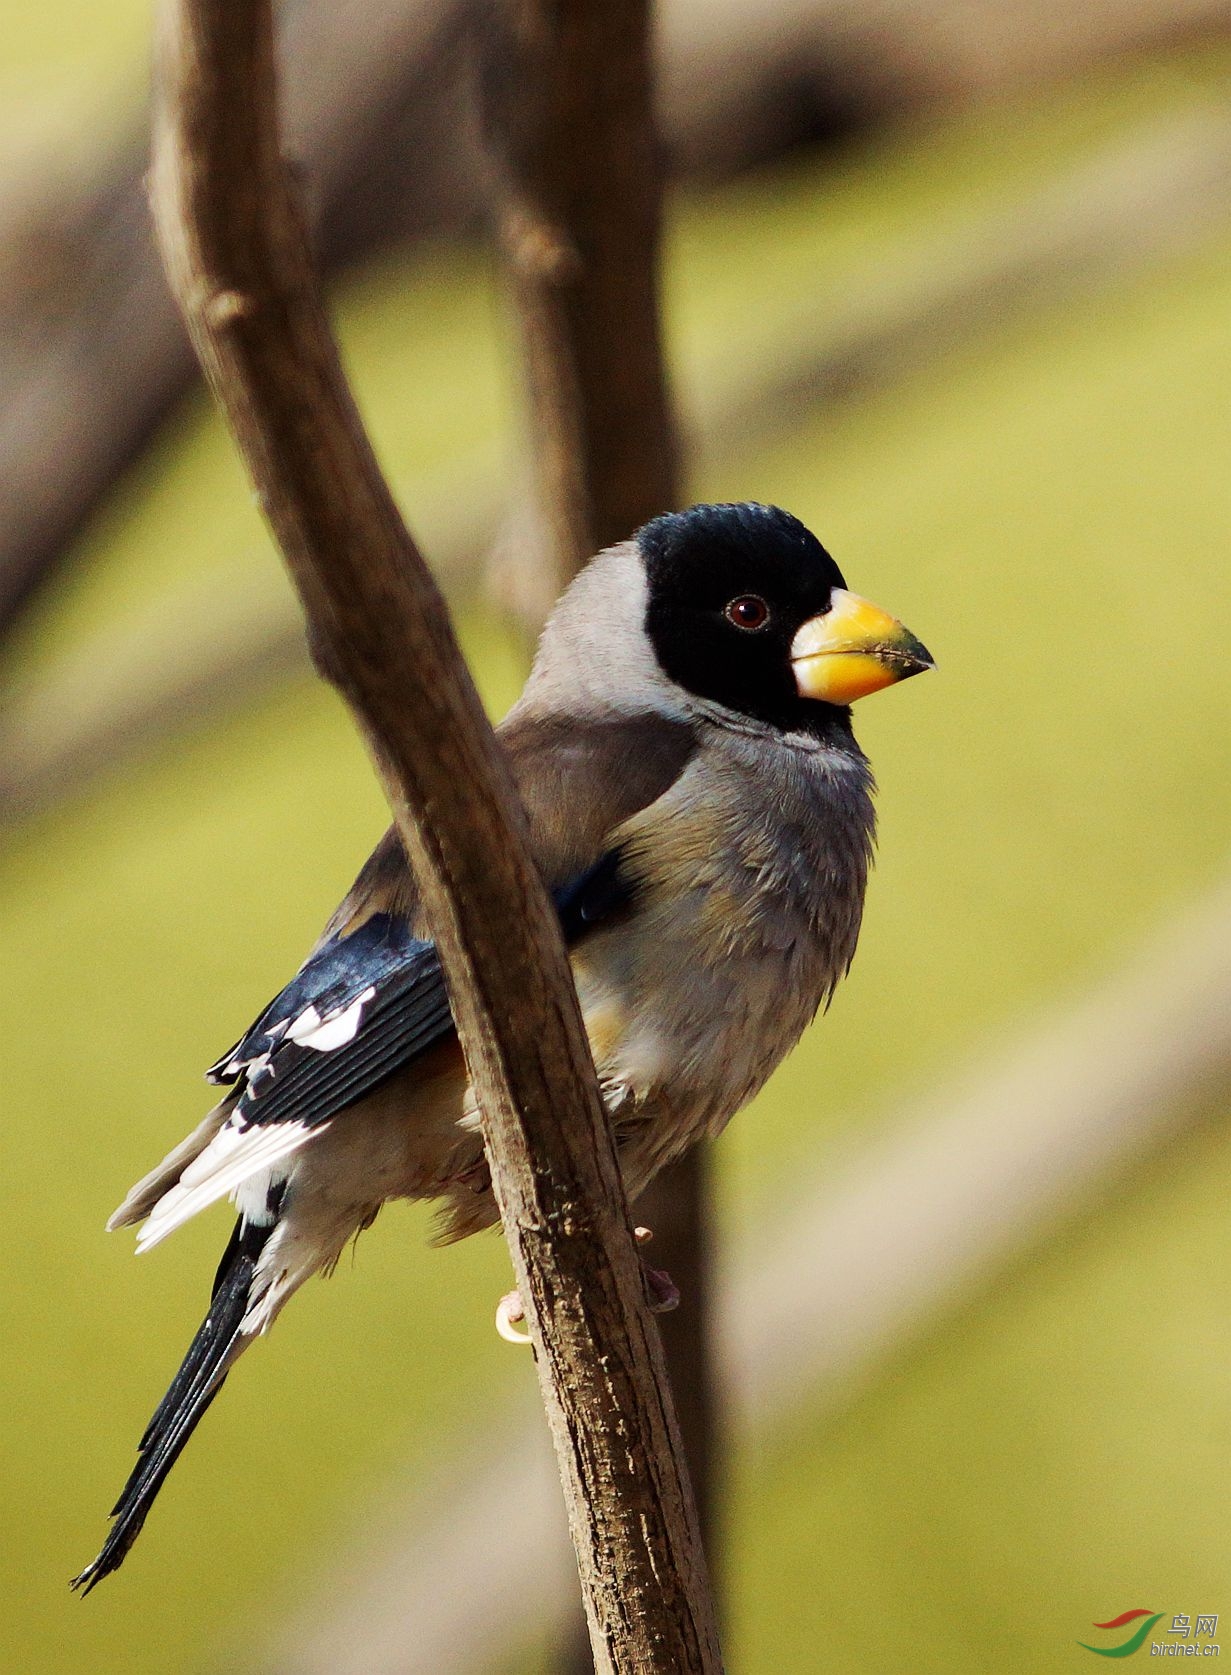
<point>854,649</point>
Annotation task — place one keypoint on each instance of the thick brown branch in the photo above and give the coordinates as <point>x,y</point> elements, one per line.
<point>236,254</point>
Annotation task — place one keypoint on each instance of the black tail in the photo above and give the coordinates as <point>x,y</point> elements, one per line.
<point>192,1390</point>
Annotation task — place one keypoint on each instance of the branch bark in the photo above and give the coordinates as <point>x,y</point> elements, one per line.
<point>233,242</point>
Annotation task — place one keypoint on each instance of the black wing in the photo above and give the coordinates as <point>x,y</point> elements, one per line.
<point>366,1005</point>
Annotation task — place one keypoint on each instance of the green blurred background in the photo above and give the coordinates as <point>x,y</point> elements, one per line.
<point>1044,498</point>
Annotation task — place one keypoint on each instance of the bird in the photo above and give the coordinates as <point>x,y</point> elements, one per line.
<point>703,817</point>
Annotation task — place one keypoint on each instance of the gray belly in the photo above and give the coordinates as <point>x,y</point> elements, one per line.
<point>750,882</point>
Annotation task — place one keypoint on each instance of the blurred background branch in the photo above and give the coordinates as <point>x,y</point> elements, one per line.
<point>92,354</point>
<point>570,101</point>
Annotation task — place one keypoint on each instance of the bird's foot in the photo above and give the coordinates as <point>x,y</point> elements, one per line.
<point>661,1294</point>
<point>661,1291</point>
<point>509,1311</point>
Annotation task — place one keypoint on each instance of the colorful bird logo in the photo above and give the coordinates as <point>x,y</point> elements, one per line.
<point>1136,1639</point>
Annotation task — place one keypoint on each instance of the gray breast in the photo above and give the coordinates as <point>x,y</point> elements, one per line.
<point>752,871</point>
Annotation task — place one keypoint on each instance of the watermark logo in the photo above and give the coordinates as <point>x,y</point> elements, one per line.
<point>1184,1639</point>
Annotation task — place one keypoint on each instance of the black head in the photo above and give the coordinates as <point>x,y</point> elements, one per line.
<point>729,588</point>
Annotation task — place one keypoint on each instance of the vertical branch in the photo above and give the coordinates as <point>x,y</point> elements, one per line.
<point>233,243</point>
<point>569,101</point>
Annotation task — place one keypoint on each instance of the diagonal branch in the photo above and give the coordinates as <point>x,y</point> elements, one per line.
<point>234,246</point>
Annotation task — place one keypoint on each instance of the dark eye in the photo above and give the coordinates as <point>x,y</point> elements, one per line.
<point>748,611</point>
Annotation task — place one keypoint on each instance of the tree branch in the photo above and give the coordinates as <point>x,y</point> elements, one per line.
<point>234,246</point>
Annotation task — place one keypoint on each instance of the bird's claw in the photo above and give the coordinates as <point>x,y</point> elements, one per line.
<point>509,1310</point>
<point>661,1292</point>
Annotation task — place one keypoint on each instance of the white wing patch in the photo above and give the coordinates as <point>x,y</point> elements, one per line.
<point>336,1030</point>
<point>226,1163</point>
<point>325,1034</point>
